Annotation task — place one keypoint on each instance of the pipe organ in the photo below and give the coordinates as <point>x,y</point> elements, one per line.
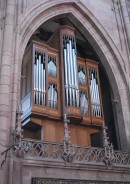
<point>60,83</point>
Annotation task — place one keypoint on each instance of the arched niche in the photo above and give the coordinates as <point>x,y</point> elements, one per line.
<point>102,44</point>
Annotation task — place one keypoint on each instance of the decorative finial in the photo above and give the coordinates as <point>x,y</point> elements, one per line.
<point>68,152</point>
<point>108,147</point>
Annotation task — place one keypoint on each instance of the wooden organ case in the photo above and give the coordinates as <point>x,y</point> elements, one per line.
<point>55,81</point>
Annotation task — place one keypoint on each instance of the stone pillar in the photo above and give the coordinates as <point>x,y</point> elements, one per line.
<point>126,20</point>
<point>5,79</point>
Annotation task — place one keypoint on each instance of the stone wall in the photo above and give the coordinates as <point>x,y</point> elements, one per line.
<point>2,18</point>
<point>104,23</point>
<point>106,12</point>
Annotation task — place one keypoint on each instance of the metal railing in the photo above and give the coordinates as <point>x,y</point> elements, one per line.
<point>32,149</point>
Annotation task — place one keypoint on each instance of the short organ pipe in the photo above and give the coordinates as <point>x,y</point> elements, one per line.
<point>52,96</point>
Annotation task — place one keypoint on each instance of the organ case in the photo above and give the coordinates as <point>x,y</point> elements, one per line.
<point>56,81</point>
<point>42,98</point>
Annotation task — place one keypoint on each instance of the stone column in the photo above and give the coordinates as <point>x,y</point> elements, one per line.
<point>5,79</point>
<point>126,19</point>
<point>15,172</point>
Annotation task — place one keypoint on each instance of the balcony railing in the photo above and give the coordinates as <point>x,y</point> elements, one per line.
<point>38,150</point>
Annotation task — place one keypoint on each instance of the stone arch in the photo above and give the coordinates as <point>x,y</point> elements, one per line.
<point>100,41</point>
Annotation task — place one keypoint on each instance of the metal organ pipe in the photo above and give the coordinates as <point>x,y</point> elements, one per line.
<point>52,96</point>
<point>37,82</point>
<point>83,103</point>
<point>42,91</point>
<point>86,106</point>
<point>97,101</point>
<point>94,90</point>
<point>75,77</point>
<point>99,106</point>
<point>55,98</point>
<point>94,93</point>
<point>49,96</point>
<point>44,85</point>
<point>39,79</point>
<point>71,75</point>
<point>66,77</point>
<point>35,69</point>
<point>93,107</point>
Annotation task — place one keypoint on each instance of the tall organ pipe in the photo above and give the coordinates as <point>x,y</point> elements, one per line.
<point>94,107</point>
<point>52,95</point>
<point>66,77</point>
<point>97,102</point>
<point>71,83</point>
<point>72,75</point>
<point>86,106</point>
<point>83,104</point>
<point>42,91</point>
<point>91,90</point>
<point>75,77</point>
<point>94,90</point>
<point>69,72</point>
<point>55,99</point>
<point>37,81</point>
<point>49,96</point>
<point>44,86</point>
<point>39,78</point>
<point>94,93</point>
<point>71,62</point>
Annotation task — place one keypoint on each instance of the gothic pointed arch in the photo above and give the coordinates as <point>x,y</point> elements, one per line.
<point>101,42</point>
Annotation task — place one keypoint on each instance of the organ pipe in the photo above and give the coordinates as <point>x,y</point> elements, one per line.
<point>52,96</point>
<point>83,103</point>
<point>70,65</point>
<point>39,79</point>
<point>81,76</point>
<point>94,91</point>
<point>51,67</point>
<point>66,78</point>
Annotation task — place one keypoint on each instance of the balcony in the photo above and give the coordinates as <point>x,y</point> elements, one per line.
<point>33,150</point>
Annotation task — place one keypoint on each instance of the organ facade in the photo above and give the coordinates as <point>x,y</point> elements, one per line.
<point>60,82</point>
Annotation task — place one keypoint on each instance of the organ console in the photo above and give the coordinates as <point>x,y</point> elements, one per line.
<point>60,82</point>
